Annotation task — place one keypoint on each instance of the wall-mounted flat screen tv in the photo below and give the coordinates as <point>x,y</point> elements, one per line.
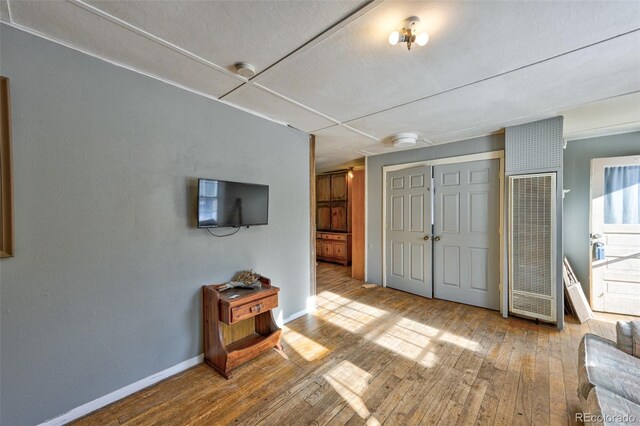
<point>223,204</point>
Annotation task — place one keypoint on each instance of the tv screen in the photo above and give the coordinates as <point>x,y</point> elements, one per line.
<point>231,204</point>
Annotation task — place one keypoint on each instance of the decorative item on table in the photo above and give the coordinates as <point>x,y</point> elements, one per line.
<point>243,279</point>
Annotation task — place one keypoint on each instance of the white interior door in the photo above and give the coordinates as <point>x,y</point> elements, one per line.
<point>408,230</point>
<point>615,229</point>
<point>466,238</point>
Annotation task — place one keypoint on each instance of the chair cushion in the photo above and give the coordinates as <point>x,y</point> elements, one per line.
<point>628,337</point>
<point>606,408</point>
<point>624,341</point>
<point>602,364</point>
<point>635,336</point>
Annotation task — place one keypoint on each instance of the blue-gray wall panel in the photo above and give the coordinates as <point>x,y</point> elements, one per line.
<point>105,286</point>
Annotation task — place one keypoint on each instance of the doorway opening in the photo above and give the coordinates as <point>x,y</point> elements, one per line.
<point>615,235</point>
<point>339,208</point>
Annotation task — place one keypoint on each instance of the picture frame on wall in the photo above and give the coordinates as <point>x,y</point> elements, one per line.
<point>6,172</point>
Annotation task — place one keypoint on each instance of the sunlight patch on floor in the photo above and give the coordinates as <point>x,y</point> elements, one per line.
<point>367,309</point>
<point>418,327</point>
<point>460,341</point>
<point>409,336</point>
<point>356,315</point>
<point>399,346</point>
<point>327,296</point>
<point>406,337</point>
<point>350,381</point>
<point>329,300</point>
<point>339,320</point>
<point>305,347</point>
<point>329,305</point>
<point>429,360</point>
<point>344,312</point>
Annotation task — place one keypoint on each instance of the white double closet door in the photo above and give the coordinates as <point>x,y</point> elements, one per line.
<point>441,231</point>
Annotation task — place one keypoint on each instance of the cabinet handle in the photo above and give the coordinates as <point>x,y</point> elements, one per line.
<point>257,308</point>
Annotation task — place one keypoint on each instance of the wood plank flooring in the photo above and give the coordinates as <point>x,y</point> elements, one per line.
<point>380,356</point>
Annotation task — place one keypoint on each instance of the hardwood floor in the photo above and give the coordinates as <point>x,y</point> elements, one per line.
<point>380,356</point>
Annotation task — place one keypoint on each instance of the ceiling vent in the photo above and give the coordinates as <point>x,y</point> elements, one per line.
<point>404,140</point>
<point>245,69</point>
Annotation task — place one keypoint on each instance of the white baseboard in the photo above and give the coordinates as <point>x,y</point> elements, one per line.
<point>296,315</point>
<point>114,396</point>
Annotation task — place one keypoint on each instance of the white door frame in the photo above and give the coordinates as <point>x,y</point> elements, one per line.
<point>598,215</point>
<point>492,155</point>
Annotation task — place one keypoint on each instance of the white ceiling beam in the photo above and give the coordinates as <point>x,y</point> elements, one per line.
<point>152,37</point>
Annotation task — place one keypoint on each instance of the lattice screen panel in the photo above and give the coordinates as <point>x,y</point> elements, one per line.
<point>532,243</point>
<point>534,146</point>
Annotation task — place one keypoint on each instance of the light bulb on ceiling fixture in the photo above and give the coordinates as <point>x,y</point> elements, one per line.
<point>422,39</point>
<point>409,34</point>
<point>394,38</point>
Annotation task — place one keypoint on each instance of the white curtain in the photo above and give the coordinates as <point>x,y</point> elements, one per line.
<point>622,195</point>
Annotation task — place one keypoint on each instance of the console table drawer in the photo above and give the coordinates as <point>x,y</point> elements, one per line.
<point>254,308</point>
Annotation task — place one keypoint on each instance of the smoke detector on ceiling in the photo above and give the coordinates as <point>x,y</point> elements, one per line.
<point>404,140</point>
<point>245,69</point>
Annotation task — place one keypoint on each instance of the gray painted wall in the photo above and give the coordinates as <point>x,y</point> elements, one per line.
<point>577,176</point>
<point>375,184</point>
<point>105,286</point>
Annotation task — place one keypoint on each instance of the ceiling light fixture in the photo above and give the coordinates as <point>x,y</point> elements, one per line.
<point>409,34</point>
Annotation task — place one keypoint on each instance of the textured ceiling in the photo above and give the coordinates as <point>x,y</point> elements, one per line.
<point>325,66</point>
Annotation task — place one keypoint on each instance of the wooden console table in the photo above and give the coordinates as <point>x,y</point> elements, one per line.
<point>238,325</point>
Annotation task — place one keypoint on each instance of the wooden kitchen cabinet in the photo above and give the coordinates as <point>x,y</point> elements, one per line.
<point>333,202</point>
<point>323,188</point>
<point>333,217</point>
<point>323,216</point>
<point>339,216</point>
<point>334,247</point>
<point>339,186</point>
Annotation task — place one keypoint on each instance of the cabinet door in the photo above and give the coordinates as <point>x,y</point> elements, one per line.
<point>327,249</point>
<point>339,216</point>
<point>339,187</point>
<point>323,188</point>
<point>340,250</point>
<point>323,217</point>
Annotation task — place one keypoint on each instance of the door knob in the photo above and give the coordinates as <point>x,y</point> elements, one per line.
<point>426,238</point>
<point>436,238</point>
